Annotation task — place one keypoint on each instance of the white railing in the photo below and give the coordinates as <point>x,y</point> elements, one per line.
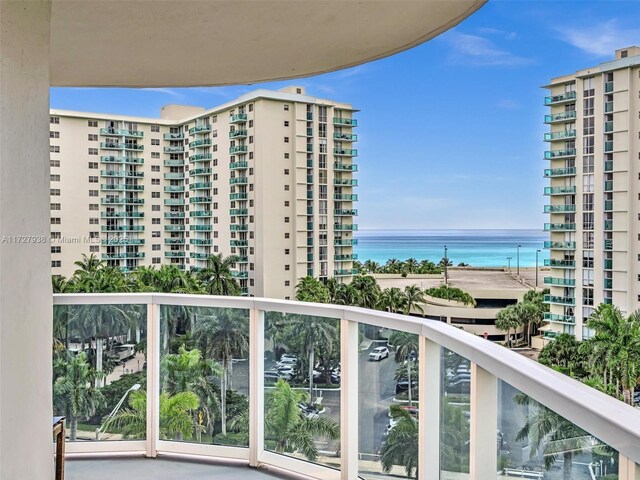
<point>611,421</point>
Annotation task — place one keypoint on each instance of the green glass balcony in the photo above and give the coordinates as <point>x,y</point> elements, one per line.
<point>340,227</point>
<point>239,165</point>
<point>121,132</point>
<point>238,212</point>
<point>607,301</point>
<point>608,245</point>
<point>238,181</point>
<point>345,122</point>
<point>174,163</point>
<point>122,228</point>
<point>200,228</point>
<point>345,212</point>
<point>608,87</point>
<point>608,166</point>
<point>309,148</point>
<point>345,182</point>
<point>174,214</point>
<point>345,167</point>
<point>565,152</point>
<point>554,317</point>
<point>559,208</point>
<point>199,256</point>
<point>235,227</point>
<point>565,97</point>
<point>238,118</point>
<point>560,117</point>
<point>608,126</point>
<point>346,197</point>
<point>238,149</point>
<point>608,264</point>
<point>200,213</point>
<point>125,200</point>
<point>564,190</point>
<point>608,225</point>
<point>173,136</point>
<point>345,137</point>
<point>122,256</point>
<point>345,272</point>
<point>200,185</point>
<point>309,178</point>
<point>174,176</point>
<point>200,129</point>
<point>560,245</point>
<point>175,254</point>
<point>204,142</point>
<point>200,241</point>
<point>309,257</point>
<point>566,282</point>
<point>174,241</point>
<point>174,149</point>
<point>174,228</point>
<point>240,274</point>
<point>124,160</point>
<point>201,171</point>
<point>608,205</point>
<point>174,188</point>
<point>239,243</point>
<point>561,135</point>
<point>345,257</point>
<point>200,157</point>
<point>200,200</point>
<point>309,226</point>
<point>238,196</point>
<point>608,147</point>
<point>238,134</point>
<point>559,300</point>
<point>559,227</point>
<point>122,241</point>
<point>309,242</point>
<point>122,214</point>
<point>345,152</point>
<point>309,115</point>
<point>608,107</point>
<point>309,194</point>
<point>121,173</point>
<point>551,262</point>
<point>174,201</point>
<point>242,259</point>
<point>309,210</point>
<point>121,187</point>
<point>608,283</point>
<point>608,185</point>
<point>559,172</point>
<point>309,132</point>
<point>121,146</point>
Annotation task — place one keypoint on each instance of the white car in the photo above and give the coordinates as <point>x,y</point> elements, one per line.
<point>379,353</point>
<point>287,362</point>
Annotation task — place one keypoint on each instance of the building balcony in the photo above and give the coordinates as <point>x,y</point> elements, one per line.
<point>345,272</point>
<point>346,197</point>
<point>551,262</point>
<point>560,117</point>
<point>238,196</point>
<point>121,132</point>
<point>345,257</point>
<point>564,153</point>
<point>559,300</point>
<point>608,283</point>
<point>608,225</point>
<point>121,146</point>
<point>608,244</point>
<point>199,255</point>
<point>122,214</point>
<point>174,149</point>
<point>345,167</point>
<point>343,242</point>
<point>566,97</point>
<point>345,152</point>
<point>239,243</point>
<point>121,256</point>
<point>238,149</point>
<point>175,254</point>
<point>200,157</point>
<point>124,200</point>
<point>559,172</point>
<point>559,227</point>
<point>560,245</point>
<point>200,200</point>
<point>174,176</point>
<point>174,201</point>
<point>243,164</point>
<point>238,118</point>
<point>559,208</point>
<point>200,185</point>
<point>239,212</point>
<point>608,166</point>
<point>345,122</point>
<point>608,147</point>
<point>204,142</point>
<point>122,241</point>
<point>200,129</point>
<point>242,259</point>
<point>200,228</point>
<point>238,134</point>
<point>121,173</point>
<point>174,136</point>
<point>175,228</point>
<point>123,160</point>
<point>200,171</point>
<point>349,228</point>
<point>608,264</point>
<point>174,163</point>
<point>608,186</point>
<point>174,214</point>
<point>345,137</point>
<point>238,181</point>
<point>174,241</point>
<point>174,188</point>
<point>200,241</point>
<point>561,135</point>
<point>121,187</point>
<point>566,282</point>
<point>122,228</point>
<point>608,107</point>
<point>345,212</point>
<point>555,318</point>
<point>242,227</point>
<point>200,213</point>
<point>345,182</point>
<point>240,274</point>
<point>608,126</point>
<point>563,190</point>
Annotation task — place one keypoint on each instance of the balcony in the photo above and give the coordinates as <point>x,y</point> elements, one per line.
<point>560,245</point>
<point>340,242</point>
<point>200,228</point>
<point>559,227</point>
<point>239,243</point>
<point>239,165</point>
<point>121,146</point>
<point>345,182</point>
<point>238,212</point>
<point>200,185</point>
<point>174,201</point>
<point>122,241</point>
<point>235,227</point>
<point>125,200</point>
<point>608,107</point>
<point>238,149</point>
<point>560,117</point>
<point>345,137</point>
<point>174,163</point>
<point>124,160</point>
<point>608,225</point>
<point>608,283</point>
<point>200,241</point>
<point>563,190</point>
<point>240,274</point>
<point>608,186</point>
<point>122,214</point>
<point>122,228</point>
<point>175,254</point>
<point>608,126</point>
<point>174,241</point>
<point>174,149</point>
<point>173,136</point>
<point>238,196</point>
<point>561,98</point>
<point>201,171</point>
<point>121,132</point>
<point>608,205</point>
<point>561,135</point>
<point>345,257</point>
<point>174,188</point>
<point>204,142</point>
<point>238,181</point>
<point>345,152</point>
<point>199,256</point>
<point>608,166</point>
<point>608,147</point>
<point>121,256</point>
<point>564,153</point>
<point>200,129</point>
<point>551,262</point>
<point>238,134</point>
<point>200,213</point>
<point>346,197</point>
<point>608,244</point>
<point>559,300</point>
<point>121,187</point>
<point>608,264</point>
<point>121,173</point>
<point>345,228</point>
<point>238,118</point>
<point>345,213</point>
<point>345,122</point>
<point>555,318</point>
<point>200,157</point>
<point>174,214</point>
<point>559,208</point>
<point>174,228</point>
<point>565,282</point>
<point>345,167</point>
<point>200,200</point>
<point>174,176</point>
<point>345,272</point>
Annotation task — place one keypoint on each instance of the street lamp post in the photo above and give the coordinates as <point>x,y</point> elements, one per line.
<point>133,388</point>
<point>518,261</point>
<point>509,263</point>
<point>537,252</point>
<point>446,260</point>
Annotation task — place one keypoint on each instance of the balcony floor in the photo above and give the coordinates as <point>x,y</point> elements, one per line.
<point>158,469</point>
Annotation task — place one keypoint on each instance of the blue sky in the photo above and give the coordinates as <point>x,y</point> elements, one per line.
<point>450,131</point>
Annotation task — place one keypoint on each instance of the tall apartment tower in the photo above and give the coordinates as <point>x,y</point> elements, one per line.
<point>267,177</point>
<point>594,192</point>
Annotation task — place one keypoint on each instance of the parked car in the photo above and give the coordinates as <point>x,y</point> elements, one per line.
<point>403,385</point>
<point>287,362</point>
<point>460,376</point>
<point>289,356</point>
<point>308,411</point>
<point>379,353</point>
<point>321,377</point>
<point>271,376</point>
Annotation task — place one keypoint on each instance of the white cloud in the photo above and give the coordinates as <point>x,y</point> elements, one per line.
<point>498,32</point>
<point>479,51</point>
<point>600,39</point>
<point>169,91</point>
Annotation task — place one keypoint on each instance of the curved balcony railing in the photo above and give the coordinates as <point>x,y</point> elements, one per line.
<point>456,411</point>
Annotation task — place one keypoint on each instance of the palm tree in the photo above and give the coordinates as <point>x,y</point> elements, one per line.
<point>411,265</point>
<point>368,291</point>
<point>506,319</point>
<point>371,266</point>
<point>401,447</point>
<point>176,416</point>
<point>73,393</point>
<point>288,428</point>
<point>413,298</point>
<point>88,265</point>
<point>346,294</point>
<point>217,276</point>
<point>392,300</point>
<point>406,345</point>
<point>311,290</point>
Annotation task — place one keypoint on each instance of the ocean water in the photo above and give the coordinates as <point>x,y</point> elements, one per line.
<point>479,248</point>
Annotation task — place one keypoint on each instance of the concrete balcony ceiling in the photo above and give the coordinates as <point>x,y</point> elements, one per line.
<point>138,43</point>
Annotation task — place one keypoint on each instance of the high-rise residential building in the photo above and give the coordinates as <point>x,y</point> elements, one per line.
<point>267,177</point>
<point>594,192</point>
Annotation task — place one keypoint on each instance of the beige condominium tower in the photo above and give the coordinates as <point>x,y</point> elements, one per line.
<point>594,192</point>
<point>267,177</point>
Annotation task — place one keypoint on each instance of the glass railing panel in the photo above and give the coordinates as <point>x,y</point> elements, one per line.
<point>302,387</point>
<point>455,415</point>
<point>536,442</point>
<point>99,371</point>
<point>388,409</point>
<point>204,375</point>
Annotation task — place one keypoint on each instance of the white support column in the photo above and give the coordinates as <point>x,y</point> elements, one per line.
<point>153,379</point>
<point>484,424</point>
<point>26,448</point>
<point>349,348</point>
<point>256,385</point>
<point>429,406</point>
<point>628,469</point>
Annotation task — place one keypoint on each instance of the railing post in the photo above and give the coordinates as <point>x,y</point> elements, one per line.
<point>484,423</point>
<point>256,385</point>
<point>153,378</point>
<point>429,372</point>
<point>349,350</point>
